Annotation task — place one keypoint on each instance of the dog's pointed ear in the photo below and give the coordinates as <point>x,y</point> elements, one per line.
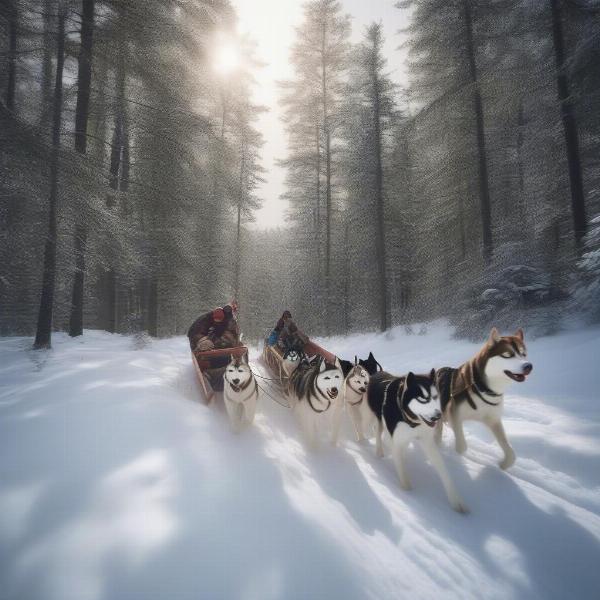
<point>337,364</point>
<point>410,379</point>
<point>494,336</point>
<point>355,360</point>
<point>432,375</point>
<point>322,365</point>
<point>245,358</point>
<point>231,358</point>
<point>520,334</point>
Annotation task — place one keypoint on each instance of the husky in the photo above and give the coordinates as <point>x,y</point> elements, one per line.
<point>369,363</point>
<point>475,390</point>
<point>240,393</point>
<point>409,409</point>
<point>290,362</point>
<point>313,388</point>
<point>354,399</point>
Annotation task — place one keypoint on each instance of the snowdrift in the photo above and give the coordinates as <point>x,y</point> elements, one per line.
<point>115,483</point>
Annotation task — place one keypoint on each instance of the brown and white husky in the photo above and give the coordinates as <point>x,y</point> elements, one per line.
<point>475,390</point>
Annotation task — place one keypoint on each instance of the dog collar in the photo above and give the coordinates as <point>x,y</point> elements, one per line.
<point>240,388</point>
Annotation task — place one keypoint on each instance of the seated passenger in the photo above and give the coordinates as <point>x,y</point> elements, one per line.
<point>274,335</point>
<point>292,340</point>
<point>215,329</point>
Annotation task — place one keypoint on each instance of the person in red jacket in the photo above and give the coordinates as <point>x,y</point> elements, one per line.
<point>215,329</point>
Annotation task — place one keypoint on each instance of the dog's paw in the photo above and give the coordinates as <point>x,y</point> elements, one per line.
<point>509,461</point>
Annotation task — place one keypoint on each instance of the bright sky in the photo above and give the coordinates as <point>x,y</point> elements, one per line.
<point>271,24</point>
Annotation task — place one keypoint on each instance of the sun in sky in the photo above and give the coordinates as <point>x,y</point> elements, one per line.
<point>227,58</point>
<point>272,24</point>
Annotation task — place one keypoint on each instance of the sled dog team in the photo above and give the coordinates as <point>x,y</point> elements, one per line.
<point>405,409</point>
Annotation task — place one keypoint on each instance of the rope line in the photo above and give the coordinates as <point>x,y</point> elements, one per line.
<point>264,389</point>
<point>272,397</point>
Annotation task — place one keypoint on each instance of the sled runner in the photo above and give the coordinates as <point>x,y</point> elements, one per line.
<point>210,366</point>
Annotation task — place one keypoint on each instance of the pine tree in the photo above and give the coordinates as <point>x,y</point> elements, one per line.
<point>586,296</point>
<point>312,103</point>
<point>370,118</point>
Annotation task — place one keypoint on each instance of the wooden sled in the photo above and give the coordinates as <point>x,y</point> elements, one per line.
<point>205,360</point>
<point>273,358</point>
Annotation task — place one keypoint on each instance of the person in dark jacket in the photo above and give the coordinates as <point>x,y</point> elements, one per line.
<point>215,329</point>
<point>274,335</point>
<point>292,340</point>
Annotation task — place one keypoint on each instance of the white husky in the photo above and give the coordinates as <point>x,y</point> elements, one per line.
<point>313,388</point>
<point>240,393</point>
<point>354,400</point>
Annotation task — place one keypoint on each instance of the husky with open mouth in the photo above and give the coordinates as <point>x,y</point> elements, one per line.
<point>313,388</point>
<point>475,390</point>
<point>409,409</point>
<point>354,400</point>
<point>240,393</point>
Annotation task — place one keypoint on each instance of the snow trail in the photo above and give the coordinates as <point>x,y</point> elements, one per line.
<point>116,483</point>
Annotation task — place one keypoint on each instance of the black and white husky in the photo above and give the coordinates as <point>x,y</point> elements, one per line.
<point>370,364</point>
<point>409,409</point>
<point>313,388</point>
<point>475,390</point>
<point>354,400</point>
<point>240,393</point>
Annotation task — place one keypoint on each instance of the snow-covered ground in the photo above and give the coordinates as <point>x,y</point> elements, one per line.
<point>116,483</point>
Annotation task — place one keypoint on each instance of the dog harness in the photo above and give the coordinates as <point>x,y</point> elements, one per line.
<point>407,415</point>
<point>317,390</point>
<point>446,383</point>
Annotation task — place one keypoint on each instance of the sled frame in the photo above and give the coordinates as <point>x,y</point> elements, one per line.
<point>207,355</point>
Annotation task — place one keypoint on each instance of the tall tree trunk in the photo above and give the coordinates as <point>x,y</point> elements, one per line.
<point>111,289</point>
<point>318,191</point>
<point>153,308</point>
<point>117,171</point>
<point>120,142</point>
<point>327,132</point>
<point>84,75</point>
<point>43,337</point>
<point>569,120</point>
<point>76,318</point>
<point>484,189</point>
<point>13,24</point>
<point>521,165</point>
<point>48,43</point>
<point>347,271</point>
<point>379,199</point>
<point>84,80</point>
<point>238,238</point>
<point>461,225</point>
